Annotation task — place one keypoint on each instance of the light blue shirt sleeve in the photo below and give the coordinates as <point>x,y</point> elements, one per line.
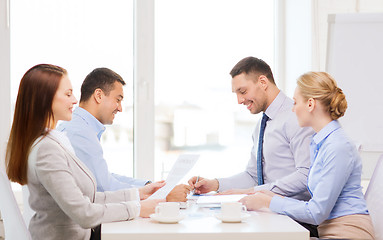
<point>85,142</point>
<point>332,183</point>
<point>89,150</point>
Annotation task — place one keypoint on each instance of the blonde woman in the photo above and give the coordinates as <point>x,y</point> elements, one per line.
<point>337,205</point>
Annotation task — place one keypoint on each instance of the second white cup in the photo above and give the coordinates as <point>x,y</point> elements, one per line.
<point>232,210</point>
<point>168,209</point>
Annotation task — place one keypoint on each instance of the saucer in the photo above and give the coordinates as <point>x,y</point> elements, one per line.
<point>232,220</point>
<point>160,219</point>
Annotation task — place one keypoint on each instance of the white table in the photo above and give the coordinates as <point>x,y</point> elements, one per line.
<point>201,224</point>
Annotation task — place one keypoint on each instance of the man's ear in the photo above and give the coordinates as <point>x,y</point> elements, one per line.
<point>97,95</point>
<point>311,103</point>
<point>263,80</point>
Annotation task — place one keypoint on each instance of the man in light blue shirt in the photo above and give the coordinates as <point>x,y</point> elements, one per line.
<point>87,126</point>
<point>84,132</point>
<point>101,97</point>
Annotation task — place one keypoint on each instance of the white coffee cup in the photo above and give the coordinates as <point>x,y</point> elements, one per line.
<point>232,210</point>
<point>168,209</point>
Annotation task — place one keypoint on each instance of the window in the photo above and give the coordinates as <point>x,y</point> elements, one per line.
<point>197,44</point>
<point>80,36</point>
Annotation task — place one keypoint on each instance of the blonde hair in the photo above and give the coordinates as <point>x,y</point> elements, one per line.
<point>322,87</point>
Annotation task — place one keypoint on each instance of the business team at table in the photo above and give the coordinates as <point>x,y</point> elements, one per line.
<point>302,163</point>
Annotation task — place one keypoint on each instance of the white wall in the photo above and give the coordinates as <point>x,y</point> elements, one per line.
<point>301,44</point>
<point>301,35</point>
<point>5,98</point>
<point>321,9</point>
<point>4,86</point>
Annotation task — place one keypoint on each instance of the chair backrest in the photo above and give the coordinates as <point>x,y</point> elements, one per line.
<point>374,197</point>
<point>14,225</point>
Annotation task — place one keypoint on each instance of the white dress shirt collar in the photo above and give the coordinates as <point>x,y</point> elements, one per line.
<point>274,107</point>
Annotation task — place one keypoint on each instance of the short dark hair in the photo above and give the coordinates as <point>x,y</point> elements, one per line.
<point>102,78</point>
<point>252,65</point>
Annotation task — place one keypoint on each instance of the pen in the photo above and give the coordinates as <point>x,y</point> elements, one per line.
<point>195,183</point>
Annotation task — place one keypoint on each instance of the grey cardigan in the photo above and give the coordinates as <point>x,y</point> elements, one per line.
<point>63,195</point>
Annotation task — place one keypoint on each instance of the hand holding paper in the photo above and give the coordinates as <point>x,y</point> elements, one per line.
<point>181,167</point>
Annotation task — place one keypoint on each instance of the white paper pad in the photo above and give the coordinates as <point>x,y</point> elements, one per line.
<point>181,167</point>
<point>218,199</point>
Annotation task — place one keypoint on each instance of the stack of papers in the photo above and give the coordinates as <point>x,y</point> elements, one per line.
<point>216,200</point>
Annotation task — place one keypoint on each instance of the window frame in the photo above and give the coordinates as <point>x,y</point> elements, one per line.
<point>143,129</point>
<point>5,82</point>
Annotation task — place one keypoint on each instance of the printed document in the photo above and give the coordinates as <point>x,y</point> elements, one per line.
<point>210,200</point>
<point>181,167</point>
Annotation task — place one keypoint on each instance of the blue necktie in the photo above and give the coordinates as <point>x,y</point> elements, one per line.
<point>260,151</point>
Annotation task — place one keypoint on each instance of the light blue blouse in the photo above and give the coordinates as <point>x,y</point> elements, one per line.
<point>334,180</point>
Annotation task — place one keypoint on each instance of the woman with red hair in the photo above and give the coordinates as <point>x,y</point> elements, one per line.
<point>62,189</point>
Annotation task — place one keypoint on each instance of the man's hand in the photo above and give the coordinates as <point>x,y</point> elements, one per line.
<point>148,206</point>
<point>203,185</point>
<point>237,191</point>
<point>256,201</point>
<point>149,189</point>
<point>179,193</point>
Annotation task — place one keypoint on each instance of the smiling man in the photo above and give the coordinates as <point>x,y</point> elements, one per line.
<point>280,158</point>
<point>280,161</point>
<point>101,97</point>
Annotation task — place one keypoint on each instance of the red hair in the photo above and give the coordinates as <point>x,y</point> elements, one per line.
<point>33,115</point>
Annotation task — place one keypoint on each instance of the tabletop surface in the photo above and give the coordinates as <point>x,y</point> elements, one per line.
<point>201,223</point>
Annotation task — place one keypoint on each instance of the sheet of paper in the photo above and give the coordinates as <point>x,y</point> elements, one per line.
<point>181,167</point>
<point>218,199</point>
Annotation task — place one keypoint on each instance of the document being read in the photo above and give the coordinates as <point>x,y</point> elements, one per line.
<point>181,167</point>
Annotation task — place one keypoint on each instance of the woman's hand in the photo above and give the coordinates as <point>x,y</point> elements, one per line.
<point>256,201</point>
<point>148,206</point>
<point>147,190</point>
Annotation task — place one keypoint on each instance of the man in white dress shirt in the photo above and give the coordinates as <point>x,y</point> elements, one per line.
<point>285,154</point>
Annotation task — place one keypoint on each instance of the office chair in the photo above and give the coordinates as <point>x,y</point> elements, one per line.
<point>14,225</point>
<point>374,196</point>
